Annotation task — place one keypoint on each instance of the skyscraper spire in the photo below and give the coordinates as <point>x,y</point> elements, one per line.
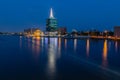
<point>51,13</point>
<point>51,23</point>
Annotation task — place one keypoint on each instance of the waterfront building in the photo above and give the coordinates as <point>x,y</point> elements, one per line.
<point>33,32</point>
<point>108,33</point>
<point>117,31</point>
<point>62,30</point>
<point>94,33</point>
<point>74,32</point>
<point>51,24</point>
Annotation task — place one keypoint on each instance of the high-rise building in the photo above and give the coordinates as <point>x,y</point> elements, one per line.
<point>51,24</point>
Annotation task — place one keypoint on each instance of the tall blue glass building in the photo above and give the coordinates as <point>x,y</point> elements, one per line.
<point>51,24</point>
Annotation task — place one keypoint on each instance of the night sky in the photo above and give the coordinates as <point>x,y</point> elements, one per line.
<point>16,15</point>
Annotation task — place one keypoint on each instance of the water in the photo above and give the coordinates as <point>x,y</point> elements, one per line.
<point>24,58</point>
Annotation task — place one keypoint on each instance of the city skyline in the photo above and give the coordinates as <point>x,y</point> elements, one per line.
<point>60,40</point>
<point>80,15</point>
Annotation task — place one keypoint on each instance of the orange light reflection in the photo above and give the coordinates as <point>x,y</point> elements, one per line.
<point>36,46</point>
<point>105,53</point>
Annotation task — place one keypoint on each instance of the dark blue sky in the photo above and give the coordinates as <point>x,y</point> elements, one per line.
<point>16,15</point>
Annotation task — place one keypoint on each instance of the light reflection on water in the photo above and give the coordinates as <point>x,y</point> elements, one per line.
<point>75,44</point>
<point>116,46</point>
<point>65,43</point>
<point>59,47</point>
<point>88,47</point>
<point>105,53</point>
<point>36,46</point>
<point>37,42</point>
<point>20,41</point>
<point>54,48</point>
<point>42,43</point>
<point>52,51</point>
<point>29,42</point>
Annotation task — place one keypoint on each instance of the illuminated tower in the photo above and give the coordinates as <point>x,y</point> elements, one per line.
<point>51,24</point>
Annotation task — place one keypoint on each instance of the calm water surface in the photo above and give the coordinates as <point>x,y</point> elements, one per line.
<point>23,58</point>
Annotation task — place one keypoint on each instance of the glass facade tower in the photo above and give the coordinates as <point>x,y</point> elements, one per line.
<point>51,24</point>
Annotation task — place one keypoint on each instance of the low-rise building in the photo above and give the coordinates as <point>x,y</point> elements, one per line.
<point>33,32</point>
<point>62,30</point>
<point>117,31</point>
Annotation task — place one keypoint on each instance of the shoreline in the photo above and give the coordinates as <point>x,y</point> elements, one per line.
<point>75,37</point>
<point>85,37</point>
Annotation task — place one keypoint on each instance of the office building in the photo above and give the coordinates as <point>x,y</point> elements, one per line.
<point>51,24</point>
